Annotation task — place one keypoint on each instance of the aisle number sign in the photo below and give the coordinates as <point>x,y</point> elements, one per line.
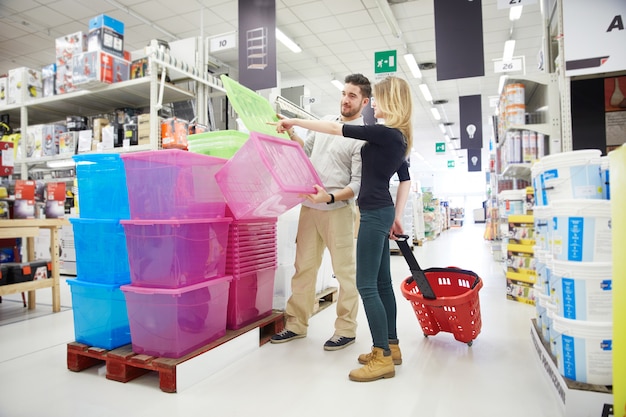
<point>440,147</point>
<point>451,163</point>
<point>385,62</point>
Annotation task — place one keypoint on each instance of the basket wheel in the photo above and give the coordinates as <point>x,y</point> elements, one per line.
<point>470,343</point>
<point>425,335</point>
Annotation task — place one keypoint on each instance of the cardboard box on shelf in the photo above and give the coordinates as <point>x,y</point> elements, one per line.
<point>106,34</point>
<point>24,85</point>
<point>98,124</point>
<point>24,204</point>
<point>66,47</point>
<point>48,80</point>
<point>97,68</point>
<point>51,134</point>
<point>4,90</point>
<point>55,200</point>
<point>143,129</point>
<point>139,68</point>
<point>6,159</point>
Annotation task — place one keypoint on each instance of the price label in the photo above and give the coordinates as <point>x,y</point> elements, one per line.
<point>514,65</point>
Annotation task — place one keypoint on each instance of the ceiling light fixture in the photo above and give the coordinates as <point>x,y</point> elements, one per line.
<point>285,40</point>
<point>515,13</point>
<point>509,47</point>
<point>426,92</point>
<point>412,63</point>
<point>435,113</point>
<point>442,128</point>
<point>385,9</point>
<point>337,84</point>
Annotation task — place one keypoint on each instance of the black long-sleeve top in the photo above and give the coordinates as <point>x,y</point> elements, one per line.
<point>382,156</point>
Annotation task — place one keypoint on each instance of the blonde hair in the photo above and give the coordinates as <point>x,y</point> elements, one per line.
<point>393,97</point>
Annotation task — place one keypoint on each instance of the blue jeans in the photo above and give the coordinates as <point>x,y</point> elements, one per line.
<point>373,274</point>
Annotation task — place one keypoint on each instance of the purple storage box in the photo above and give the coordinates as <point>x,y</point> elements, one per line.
<point>174,322</point>
<point>176,253</point>
<point>173,184</point>
<point>250,297</point>
<point>266,177</point>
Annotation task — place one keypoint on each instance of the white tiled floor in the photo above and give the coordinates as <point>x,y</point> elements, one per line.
<point>497,376</point>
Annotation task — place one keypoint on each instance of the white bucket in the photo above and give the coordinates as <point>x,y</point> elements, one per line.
<point>581,230</point>
<point>584,350</point>
<point>543,280</point>
<point>541,218</point>
<point>574,174</point>
<point>605,175</point>
<point>536,179</point>
<point>512,202</point>
<point>553,333</point>
<point>542,312</point>
<point>583,290</point>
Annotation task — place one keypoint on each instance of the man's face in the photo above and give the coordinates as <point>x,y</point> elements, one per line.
<point>351,101</point>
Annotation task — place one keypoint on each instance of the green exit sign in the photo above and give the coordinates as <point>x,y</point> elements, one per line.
<point>440,147</point>
<point>451,164</point>
<point>385,61</point>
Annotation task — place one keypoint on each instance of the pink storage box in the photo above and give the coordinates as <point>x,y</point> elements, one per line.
<point>266,177</point>
<point>173,184</point>
<point>176,253</point>
<point>174,322</point>
<point>250,298</point>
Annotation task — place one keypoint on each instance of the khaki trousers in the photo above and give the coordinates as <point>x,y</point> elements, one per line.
<point>318,229</point>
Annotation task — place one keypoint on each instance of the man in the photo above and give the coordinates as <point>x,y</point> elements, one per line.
<point>329,223</point>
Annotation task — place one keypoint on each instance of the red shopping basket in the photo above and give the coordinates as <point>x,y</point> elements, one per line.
<point>444,299</point>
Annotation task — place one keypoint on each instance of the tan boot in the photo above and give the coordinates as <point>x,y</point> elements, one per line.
<point>379,366</point>
<point>396,355</point>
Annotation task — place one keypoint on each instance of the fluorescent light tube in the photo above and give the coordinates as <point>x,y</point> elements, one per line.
<point>442,128</point>
<point>515,13</point>
<point>435,113</point>
<point>337,84</point>
<point>412,63</point>
<point>509,47</point>
<point>385,9</point>
<point>426,92</point>
<point>287,42</point>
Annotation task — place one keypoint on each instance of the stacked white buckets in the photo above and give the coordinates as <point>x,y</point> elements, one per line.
<point>574,269</point>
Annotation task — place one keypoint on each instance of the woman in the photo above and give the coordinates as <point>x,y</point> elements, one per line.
<point>384,154</point>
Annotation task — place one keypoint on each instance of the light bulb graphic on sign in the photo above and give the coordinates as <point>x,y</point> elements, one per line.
<point>474,160</point>
<point>471,129</point>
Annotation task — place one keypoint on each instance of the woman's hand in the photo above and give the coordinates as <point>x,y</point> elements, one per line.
<point>283,124</point>
<point>396,229</point>
<point>320,197</point>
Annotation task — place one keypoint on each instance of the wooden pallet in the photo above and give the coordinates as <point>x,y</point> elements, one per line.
<point>123,365</point>
<point>325,298</point>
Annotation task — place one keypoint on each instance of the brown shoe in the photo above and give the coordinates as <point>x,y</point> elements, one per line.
<point>379,366</point>
<point>396,355</point>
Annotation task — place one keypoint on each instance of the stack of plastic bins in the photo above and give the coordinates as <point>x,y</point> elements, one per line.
<point>98,304</point>
<point>177,237</point>
<point>252,261</point>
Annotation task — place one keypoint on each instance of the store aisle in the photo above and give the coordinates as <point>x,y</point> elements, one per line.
<point>440,377</point>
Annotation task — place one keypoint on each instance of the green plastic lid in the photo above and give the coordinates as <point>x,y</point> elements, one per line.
<point>254,110</point>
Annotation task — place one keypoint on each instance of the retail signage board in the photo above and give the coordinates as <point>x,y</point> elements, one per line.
<point>514,65</point>
<point>223,42</point>
<point>385,62</point>
<point>594,42</point>
<point>440,147</point>
<point>507,4</point>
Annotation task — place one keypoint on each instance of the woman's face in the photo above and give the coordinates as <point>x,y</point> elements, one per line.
<point>377,112</point>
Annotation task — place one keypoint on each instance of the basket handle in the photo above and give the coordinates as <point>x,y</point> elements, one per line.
<point>416,271</point>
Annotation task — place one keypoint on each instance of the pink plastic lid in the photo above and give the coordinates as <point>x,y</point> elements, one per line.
<point>174,291</point>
